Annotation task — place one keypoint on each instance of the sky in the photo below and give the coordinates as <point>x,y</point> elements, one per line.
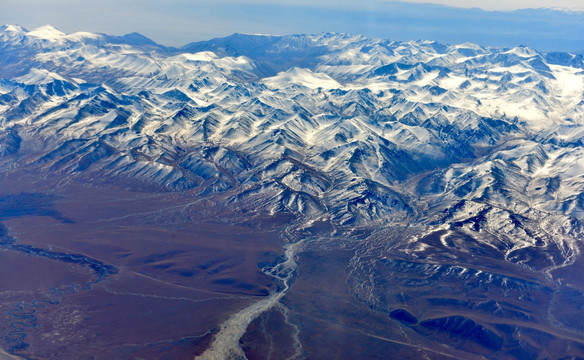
<point>178,22</point>
<point>503,5</point>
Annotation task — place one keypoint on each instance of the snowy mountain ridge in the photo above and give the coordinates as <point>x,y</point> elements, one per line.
<point>354,129</point>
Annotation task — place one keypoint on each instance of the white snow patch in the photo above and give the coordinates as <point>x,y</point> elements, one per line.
<point>47,32</point>
<point>82,35</point>
<point>569,81</point>
<point>39,76</point>
<point>303,77</point>
<point>200,56</point>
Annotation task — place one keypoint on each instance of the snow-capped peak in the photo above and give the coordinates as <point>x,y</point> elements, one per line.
<point>39,76</point>
<point>11,32</point>
<point>200,56</point>
<point>302,77</point>
<point>83,36</point>
<point>12,29</point>
<point>522,51</point>
<point>47,32</point>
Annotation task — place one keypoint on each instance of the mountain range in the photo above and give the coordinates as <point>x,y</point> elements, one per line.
<point>446,168</point>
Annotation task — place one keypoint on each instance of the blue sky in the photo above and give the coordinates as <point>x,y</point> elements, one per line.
<point>177,22</point>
